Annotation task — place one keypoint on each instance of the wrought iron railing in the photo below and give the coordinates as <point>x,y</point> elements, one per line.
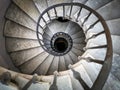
<point>56,13</point>
<point>59,10</point>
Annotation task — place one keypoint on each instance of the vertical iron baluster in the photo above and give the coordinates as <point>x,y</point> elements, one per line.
<point>49,16</point>
<point>89,59</point>
<point>40,26</point>
<point>91,26</point>
<point>78,14</point>
<point>55,12</point>
<point>95,47</point>
<point>95,35</point>
<point>63,11</point>
<point>70,11</point>
<point>44,20</point>
<point>86,18</point>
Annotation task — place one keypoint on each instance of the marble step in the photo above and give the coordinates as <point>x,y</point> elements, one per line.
<point>53,2</point>
<point>34,86</point>
<point>8,87</point>
<point>92,69</point>
<point>64,83</point>
<point>62,66</point>
<point>28,7</point>
<point>57,26</point>
<point>68,60</point>
<point>75,84</point>
<point>73,56</point>
<point>15,30</point>
<point>84,75</point>
<point>54,65</point>
<point>76,51</point>
<point>72,28</point>
<point>114,26</point>
<point>16,44</point>
<point>41,5</point>
<point>31,65</point>
<point>111,10</point>
<point>116,43</point>
<point>95,4</point>
<point>21,57</point>
<point>17,15</point>
<point>44,67</point>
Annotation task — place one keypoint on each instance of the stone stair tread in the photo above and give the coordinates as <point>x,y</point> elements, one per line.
<point>80,1</point>
<point>72,28</point>
<point>28,7</point>
<point>83,13</point>
<point>100,55</point>
<point>79,46</point>
<point>8,87</point>
<point>95,4</point>
<point>114,26</point>
<point>22,56</point>
<point>83,74</point>
<point>47,42</point>
<point>54,65</point>
<point>79,40</point>
<point>113,82</point>
<point>96,29</point>
<point>116,43</point>
<point>68,60</point>
<point>44,67</point>
<point>91,67</point>
<point>99,40</point>
<point>53,2</point>
<point>62,66</point>
<point>17,31</point>
<point>41,5</point>
<point>107,86</point>
<point>17,15</point>
<point>48,31</point>
<point>108,9</point>
<point>76,85</point>
<point>76,8</point>
<point>46,36</point>
<point>59,11</point>
<point>76,51</point>
<point>116,66</point>
<point>15,44</point>
<point>92,19</point>
<point>36,86</point>
<point>78,35</point>
<point>57,26</point>
<point>64,83</point>
<point>73,56</point>
<point>32,64</point>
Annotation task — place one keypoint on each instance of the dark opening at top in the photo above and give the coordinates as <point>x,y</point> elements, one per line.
<point>61,19</point>
<point>61,44</point>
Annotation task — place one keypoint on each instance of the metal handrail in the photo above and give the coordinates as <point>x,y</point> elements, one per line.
<point>102,77</point>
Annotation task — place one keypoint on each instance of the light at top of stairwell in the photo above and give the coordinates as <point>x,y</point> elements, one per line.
<point>61,44</point>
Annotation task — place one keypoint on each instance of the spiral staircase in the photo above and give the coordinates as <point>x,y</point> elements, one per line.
<point>60,45</point>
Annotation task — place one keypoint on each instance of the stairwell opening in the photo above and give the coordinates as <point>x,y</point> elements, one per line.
<point>61,44</point>
<point>61,19</point>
